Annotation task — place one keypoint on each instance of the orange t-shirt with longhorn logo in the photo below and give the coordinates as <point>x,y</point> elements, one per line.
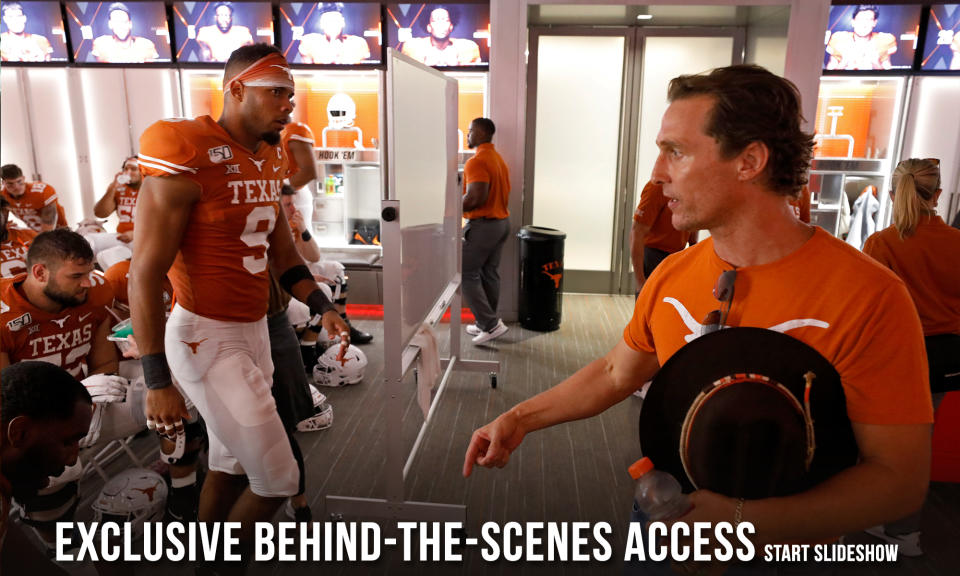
<point>929,264</point>
<point>854,312</point>
<point>13,252</point>
<point>655,213</point>
<point>29,205</point>
<point>64,338</point>
<point>488,166</point>
<point>125,197</point>
<point>220,271</point>
<point>300,132</point>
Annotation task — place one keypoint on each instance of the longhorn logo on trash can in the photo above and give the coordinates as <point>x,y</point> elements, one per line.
<point>555,276</point>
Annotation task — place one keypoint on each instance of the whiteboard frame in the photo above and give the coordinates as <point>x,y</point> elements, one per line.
<point>398,355</point>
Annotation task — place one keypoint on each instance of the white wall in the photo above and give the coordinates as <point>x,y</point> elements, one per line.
<point>932,131</point>
<point>15,133</point>
<point>85,122</point>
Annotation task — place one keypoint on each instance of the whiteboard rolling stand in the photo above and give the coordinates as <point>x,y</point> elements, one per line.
<point>420,232</point>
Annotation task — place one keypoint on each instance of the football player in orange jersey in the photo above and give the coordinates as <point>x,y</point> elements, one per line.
<point>33,202</point>
<point>121,196</point>
<point>14,242</point>
<point>57,312</point>
<point>439,49</point>
<point>46,413</point>
<point>209,206</point>
<point>331,45</point>
<point>17,45</point>
<point>122,46</point>
<point>221,38</point>
<point>861,48</point>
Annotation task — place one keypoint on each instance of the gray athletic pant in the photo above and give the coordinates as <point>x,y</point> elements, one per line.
<point>482,244</point>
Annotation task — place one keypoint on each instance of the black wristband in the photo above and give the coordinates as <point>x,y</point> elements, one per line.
<point>319,303</point>
<point>156,372</point>
<point>293,275</point>
<point>305,236</point>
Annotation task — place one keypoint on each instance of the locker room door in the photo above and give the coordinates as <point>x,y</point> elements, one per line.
<point>595,98</point>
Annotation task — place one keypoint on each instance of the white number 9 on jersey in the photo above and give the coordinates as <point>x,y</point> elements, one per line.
<point>258,239</point>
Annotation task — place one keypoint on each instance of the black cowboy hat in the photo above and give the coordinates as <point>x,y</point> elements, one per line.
<point>732,412</point>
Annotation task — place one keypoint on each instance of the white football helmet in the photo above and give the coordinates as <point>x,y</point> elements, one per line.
<point>341,111</point>
<point>330,372</point>
<point>136,495</point>
<point>322,413</point>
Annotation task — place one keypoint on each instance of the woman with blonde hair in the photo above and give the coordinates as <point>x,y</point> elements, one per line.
<point>925,253</point>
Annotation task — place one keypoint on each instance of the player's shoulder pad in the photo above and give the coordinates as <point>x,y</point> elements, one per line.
<point>172,147</point>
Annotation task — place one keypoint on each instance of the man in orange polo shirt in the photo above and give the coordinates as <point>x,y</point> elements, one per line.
<point>653,237</point>
<point>486,190</point>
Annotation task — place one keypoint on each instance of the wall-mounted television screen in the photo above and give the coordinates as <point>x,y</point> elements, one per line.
<point>32,32</point>
<point>331,32</point>
<point>941,47</point>
<point>871,37</point>
<point>118,32</point>
<point>441,34</point>
<point>211,31</point>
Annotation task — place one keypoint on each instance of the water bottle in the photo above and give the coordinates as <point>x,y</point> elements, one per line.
<point>658,494</point>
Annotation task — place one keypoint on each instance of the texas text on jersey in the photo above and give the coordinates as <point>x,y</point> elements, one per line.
<point>222,263</point>
<point>64,338</point>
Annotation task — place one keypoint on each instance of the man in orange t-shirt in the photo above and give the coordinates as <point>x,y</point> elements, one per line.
<point>652,236</point>
<point>486,192</point>
<point>33,202</point>
<point>732,170</point>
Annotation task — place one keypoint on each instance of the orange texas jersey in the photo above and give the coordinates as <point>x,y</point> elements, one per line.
<point>345,49</point>
<point>118,276</point>
<point>64,338</point>
<point>126,199</point>
<point>301,133</point>
<point>221,269</point>
<point>13,252</point>
<point>856,53</point>
<point>220,44</point>
<point>133,49</point>
<point>36,197</point>
<point>460,52</point>
<point>24,47</point>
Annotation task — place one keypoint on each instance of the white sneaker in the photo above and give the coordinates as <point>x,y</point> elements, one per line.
<point>499,330</point>
<point>473,330</point>
<point>909,543</point>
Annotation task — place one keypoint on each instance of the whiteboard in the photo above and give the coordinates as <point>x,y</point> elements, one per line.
<point>422,177</point>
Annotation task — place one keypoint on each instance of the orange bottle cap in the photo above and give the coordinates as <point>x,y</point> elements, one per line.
<point>640,467</point>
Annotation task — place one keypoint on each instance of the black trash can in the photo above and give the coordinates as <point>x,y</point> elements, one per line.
<point>541,277</point>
